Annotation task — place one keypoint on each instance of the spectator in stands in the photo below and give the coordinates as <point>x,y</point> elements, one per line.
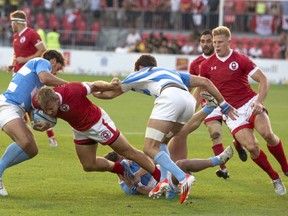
<point>42,35</point>
<point>198,8</point>
<point>274,9</point>
<point>185,7</point>
<point>95,8</point>
<point>188,48</point>
<point>5,34</point>
<point>122,48</point>
<point>250,10</point>
<point>58,8</point>
<point>240,48</point>
<point>163,48</point>
<point>141,47</point>
<point>283,42</point>
<point>132,38</point>
<point>213,13</point>
<point>256,51</point>
<point>284,15</point>
<point>53,40</point>
<point>174,47</point>
<point>261,7</point>
<point>175,14</point>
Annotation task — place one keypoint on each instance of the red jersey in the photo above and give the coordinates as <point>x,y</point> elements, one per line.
<point>230,77</point>
<point>75,107</point>
<point>24,44</point>
<point>194,66</point>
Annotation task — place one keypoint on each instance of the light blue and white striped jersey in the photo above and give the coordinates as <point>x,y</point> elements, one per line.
<point>25,83</point>
<point>146,179</point>
<point>150,80</point>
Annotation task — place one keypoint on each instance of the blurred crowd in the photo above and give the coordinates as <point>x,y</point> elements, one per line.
<point>253,46</point>
<point>262,18</point>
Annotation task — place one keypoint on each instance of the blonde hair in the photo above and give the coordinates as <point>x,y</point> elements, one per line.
<point>222,30</point>
<point>45,96</point>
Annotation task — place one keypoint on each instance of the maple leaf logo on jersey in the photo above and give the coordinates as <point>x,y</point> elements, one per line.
<point>233,66</point>
<point>22,39</point>
<point>64,107</point>
<point>106,135</point>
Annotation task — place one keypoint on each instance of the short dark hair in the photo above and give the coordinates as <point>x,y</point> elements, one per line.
<point>50,54</point>
<point>112,156</point>
<point>145,61</point>
<point>206,32</point>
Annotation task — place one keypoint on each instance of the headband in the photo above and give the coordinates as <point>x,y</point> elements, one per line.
<point>20,20</point>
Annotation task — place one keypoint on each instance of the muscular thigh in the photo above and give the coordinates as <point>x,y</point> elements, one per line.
<point>247,138</point>
<point>19,132</point>
<point>86,153</point>
<point>262,124</point>
<point>214,127</point>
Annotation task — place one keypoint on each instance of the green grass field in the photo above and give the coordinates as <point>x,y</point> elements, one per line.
<point>53,183</point>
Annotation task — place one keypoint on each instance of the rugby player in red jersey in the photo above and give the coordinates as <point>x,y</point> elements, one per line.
<point>91,125</point>
<point>229,71</point>
<point>213,121</point>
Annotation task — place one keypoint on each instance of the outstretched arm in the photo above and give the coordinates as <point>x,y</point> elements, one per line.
<point>106,90</point>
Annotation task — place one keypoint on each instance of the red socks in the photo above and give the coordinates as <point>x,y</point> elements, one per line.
<point>50,133</point>
<point>278,152</point>
<point>156,174</point>
<point>118,168</point>
<point>262,162</point>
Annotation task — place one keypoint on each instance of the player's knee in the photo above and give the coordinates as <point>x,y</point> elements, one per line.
<point>215,135</point>
<point>252,147</point>
<point>87,168</point>
<point>147,150</point>
<point>29,147</point>
<point>182,165</point>
<point>268,136</point>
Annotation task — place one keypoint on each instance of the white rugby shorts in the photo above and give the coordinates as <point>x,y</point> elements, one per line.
<point>104,132</point>
<point>8,112</point>
<point>243,121</point>
<point>175,105</point>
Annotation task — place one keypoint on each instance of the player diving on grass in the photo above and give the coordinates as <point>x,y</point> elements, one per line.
<point>91,125</point>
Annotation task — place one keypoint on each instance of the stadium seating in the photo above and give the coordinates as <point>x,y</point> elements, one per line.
<point>41,21</point>
<point>94,33</point>
<point>53,22</point>
<point>81,28</point>
<point>266,51</point>
<point>66,37</point>
<point>276,51</point>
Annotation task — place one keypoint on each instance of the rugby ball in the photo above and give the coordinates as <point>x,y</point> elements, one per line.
<point>42,119</point>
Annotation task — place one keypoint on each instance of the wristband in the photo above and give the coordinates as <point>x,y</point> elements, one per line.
<point>225,108</point>
<point>207,110</point>
<point>222,103</point>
